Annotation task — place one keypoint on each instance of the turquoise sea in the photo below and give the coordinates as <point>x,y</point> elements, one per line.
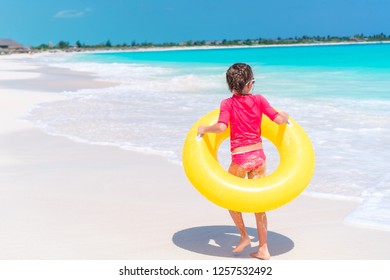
<point>340,94</point>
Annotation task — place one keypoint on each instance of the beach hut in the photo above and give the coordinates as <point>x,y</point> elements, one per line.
<point>10,46</point>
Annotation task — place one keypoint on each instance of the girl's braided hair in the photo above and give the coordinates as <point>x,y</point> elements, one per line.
<point>237,76</point>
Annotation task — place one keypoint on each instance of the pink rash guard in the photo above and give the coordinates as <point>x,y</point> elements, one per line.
<point>244,113</point>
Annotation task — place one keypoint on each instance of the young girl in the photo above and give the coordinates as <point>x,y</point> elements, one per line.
<point>244,111</point>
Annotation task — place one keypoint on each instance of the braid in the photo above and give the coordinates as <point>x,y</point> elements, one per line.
<point>238,75</point>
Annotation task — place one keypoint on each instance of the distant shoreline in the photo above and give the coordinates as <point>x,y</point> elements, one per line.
<point>252,46</point>
<point>189,48</point>
<point>9,46</point>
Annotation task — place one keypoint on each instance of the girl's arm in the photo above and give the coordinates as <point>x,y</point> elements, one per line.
<point>215,128</point>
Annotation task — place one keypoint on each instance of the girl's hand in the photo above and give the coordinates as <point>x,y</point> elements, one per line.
<point>282,118</point>
<point>201,130</point>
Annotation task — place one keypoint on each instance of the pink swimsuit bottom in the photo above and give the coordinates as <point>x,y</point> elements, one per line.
<point>249,160</point>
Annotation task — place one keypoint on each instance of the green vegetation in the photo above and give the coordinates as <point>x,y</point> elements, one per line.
<point>78,46</point>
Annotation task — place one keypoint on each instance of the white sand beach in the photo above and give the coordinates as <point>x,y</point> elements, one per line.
<point>64,200</point>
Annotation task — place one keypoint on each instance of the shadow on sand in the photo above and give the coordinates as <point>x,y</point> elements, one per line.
<point>220,240</point>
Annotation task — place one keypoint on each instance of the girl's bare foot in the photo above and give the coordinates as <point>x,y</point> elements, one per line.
<point>245,241</point>
<point>261,254</point>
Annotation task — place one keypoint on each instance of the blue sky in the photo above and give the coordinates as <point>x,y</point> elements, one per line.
<point>157,21</point>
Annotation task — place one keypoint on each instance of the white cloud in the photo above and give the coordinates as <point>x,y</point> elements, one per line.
<point>72,13</point>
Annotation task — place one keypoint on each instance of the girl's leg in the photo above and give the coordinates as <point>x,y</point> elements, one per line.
<point>237,216</point>
<point>261,221</point>
<point>244,237</point>
<point>262,230</point>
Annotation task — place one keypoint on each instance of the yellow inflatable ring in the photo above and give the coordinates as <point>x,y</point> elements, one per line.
<point>293,174</point>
